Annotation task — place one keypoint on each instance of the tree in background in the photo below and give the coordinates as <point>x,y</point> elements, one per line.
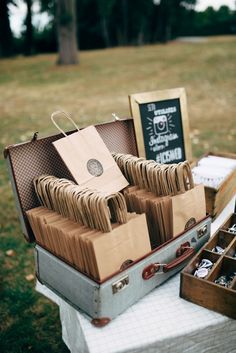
<point>104,9</point>
<point>122,36</point>
<point>62,26</point>
<point>141,19</point>
<point>168,18</point>
<point>212,22</point>
<point>28,42</point>
<point>66,32</point>
<point>89,25</point>
<point>104,23</point>
<point>45,40</point>
<point>6,38</point>
<point>120,22</point>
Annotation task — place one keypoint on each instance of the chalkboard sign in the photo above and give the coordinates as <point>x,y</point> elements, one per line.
<point>161,125</point>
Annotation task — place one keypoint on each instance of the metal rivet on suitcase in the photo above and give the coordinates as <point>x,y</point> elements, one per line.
<point>126,264</point>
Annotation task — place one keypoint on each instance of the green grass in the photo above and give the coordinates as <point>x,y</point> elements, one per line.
<point>32,88</point>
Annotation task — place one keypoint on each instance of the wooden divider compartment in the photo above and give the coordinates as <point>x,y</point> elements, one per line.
<point>204,254</point>
<point>231,250</point>
<point>206,292</point>
<point>229,222</point>
<point>225,267</point>
<point>222,239</point>
<point>233,286</point>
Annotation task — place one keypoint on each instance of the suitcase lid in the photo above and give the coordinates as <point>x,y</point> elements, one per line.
<point>38,156</point>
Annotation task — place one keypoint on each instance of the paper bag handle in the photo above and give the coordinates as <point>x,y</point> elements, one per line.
<point>62,112</point>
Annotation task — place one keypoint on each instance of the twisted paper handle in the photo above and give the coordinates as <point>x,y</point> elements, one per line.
<point>88,207</point>
<point>65,114</point>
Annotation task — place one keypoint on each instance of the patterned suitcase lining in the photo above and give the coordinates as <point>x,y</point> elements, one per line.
<point>40,157</point>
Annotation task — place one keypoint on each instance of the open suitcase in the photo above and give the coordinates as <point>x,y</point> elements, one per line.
<point>104,300</point>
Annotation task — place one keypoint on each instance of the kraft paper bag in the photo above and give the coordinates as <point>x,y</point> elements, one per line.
<point>158,211</point>
<point>72,238</point>
<point>188,208</point>
<point>88,159</point>
<point>31,214</point>
<point>57,234</point>
<point>129,241</point>
<point>36,217</point>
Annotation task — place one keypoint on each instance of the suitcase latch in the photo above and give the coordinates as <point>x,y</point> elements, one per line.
<point>120,284</point>
<point>202,231</point>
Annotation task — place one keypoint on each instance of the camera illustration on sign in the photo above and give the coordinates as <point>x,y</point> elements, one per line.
<point>160,124</point>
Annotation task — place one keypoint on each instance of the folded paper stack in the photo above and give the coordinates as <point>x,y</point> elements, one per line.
<point>217,172</point>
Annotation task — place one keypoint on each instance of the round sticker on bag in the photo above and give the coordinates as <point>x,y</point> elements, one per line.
<point>94,167</point>
<point>190,223</point>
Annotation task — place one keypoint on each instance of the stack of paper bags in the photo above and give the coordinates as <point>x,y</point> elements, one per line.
<point>93,252</point>
<point>166,193</point>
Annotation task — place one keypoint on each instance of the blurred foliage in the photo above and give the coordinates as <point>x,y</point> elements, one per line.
<point>6,38</point>
<point>113,23</point>
<point>209,22</point>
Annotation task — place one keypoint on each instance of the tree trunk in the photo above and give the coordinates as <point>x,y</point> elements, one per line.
<point>140,38</point>
<point>6,39</point>
<point>125,21</point>
<point>66,30</point>
<point>29,29</point>
<point>105,32</point>
<point>168,32</point>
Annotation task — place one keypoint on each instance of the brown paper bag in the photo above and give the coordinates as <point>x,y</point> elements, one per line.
<point>188,208</point>
<point>73,242</point>
<point>88,159</point>
<point>128,241</point>
<point>158,210</point>
<point>36,216</point>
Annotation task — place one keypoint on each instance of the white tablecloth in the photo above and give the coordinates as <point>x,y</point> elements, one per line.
<point>161,322</point>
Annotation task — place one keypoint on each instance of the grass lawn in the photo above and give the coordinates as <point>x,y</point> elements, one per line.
<point>32,88</point>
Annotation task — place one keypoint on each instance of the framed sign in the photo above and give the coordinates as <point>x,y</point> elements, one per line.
<point>161,125</point>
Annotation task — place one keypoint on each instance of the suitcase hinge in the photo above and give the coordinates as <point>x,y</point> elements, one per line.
<point>35,136</point>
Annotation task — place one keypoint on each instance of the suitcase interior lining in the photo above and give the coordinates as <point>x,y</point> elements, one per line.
<point>38,157</point>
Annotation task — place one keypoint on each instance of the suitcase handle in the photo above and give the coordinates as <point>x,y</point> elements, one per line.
<point>154,268</point>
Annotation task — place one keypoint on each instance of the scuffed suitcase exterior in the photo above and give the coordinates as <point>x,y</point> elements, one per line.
<point>105,300</point>
<point>110,298</point>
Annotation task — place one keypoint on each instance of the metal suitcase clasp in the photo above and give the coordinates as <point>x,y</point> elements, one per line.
<point>120,284</point>
<point>202,231</point>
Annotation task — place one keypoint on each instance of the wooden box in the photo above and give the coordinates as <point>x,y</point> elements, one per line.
<point>217,199</point>
<point>206,292</point>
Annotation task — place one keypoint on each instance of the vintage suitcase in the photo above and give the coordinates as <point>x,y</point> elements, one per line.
<point>102,301</point>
